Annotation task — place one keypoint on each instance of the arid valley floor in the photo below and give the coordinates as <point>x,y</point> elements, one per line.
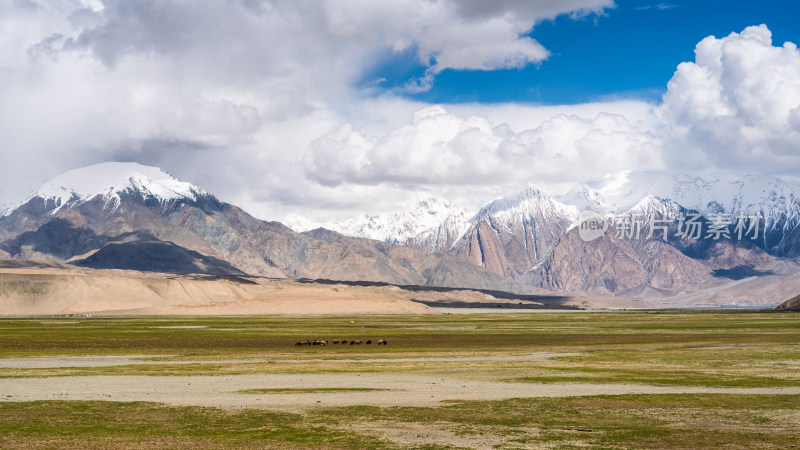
<point>527,380</point>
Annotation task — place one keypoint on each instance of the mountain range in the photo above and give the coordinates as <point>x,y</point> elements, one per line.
<point>676,239</point>
<point>129,216</point>
<point>673,240</point>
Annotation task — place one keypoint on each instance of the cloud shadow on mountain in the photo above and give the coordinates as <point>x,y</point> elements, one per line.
<point>741,272</point>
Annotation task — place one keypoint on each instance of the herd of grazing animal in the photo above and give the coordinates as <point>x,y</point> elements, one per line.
<point>340,341</point>
<point>310,343</point>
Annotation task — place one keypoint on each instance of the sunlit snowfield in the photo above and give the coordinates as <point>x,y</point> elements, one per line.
<point>625,379</point>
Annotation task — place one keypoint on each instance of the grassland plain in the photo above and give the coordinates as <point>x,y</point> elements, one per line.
<point>696,376</point>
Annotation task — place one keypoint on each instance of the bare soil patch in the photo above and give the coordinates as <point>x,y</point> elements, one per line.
<point>395,390</point>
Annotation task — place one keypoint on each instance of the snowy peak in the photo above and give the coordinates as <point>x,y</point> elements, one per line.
<point>623,192</point>
<point>527,203</point>
<point>424,215</point>
<point>530,194</point>
<point>111,179</point>
<point>769,195</point>
<point>583,197</point>
<point>653,206</point>
<point>535,221</point>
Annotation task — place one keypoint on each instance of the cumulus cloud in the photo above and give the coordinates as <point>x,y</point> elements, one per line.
<point>212,83</point>
<point>456,34</point>
<point>736,106</point>
<point>478,35</point>
<point>441,148</point>
<point>260,101</point>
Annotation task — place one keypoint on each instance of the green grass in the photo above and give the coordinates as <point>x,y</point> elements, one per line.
<point>640,421</point>
<point>249,335</point>
<point>716,349</point>
<point>723,349</point>
<point>630,421</point>
<point>657,377</point>
<point>63,424</point>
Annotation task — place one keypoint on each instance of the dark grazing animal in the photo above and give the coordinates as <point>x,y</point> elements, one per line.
<point>382,342</point>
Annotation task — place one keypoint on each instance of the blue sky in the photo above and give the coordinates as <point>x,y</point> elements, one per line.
<point>630,52</point>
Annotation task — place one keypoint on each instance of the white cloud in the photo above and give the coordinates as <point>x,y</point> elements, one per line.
<point>458,35</point>
<point>440,148</point>
<point>660,6</point>
<point>193,84</point>
<point>257,101</point>
<point>736,106</point>
<point>455,34</point>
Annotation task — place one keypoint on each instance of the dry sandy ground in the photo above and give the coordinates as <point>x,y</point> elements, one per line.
<point>394,390</point>
<point>387,389</point>
<point>33,291</point>
<point>47,362</point>
<point>64,289</point>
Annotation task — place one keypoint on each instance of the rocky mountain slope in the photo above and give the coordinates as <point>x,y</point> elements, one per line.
<point>793,304</point>
<point>676,239</point>
<point>512,234</point>
<point>124,215</point>
<point>667,236</point>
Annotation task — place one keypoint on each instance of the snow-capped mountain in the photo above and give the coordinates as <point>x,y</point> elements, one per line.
<point>122,215</point>
<point>531,222</point>
<point>528,202</point>
<point>583,197</point>
<point>430,224</point>
<point>129,216</point>
<point>531,237</point>
<point>506,236</point>
<point>109,181</point>
<point>514,233</point>
<point>621,192</point>
<point>776,202</point>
